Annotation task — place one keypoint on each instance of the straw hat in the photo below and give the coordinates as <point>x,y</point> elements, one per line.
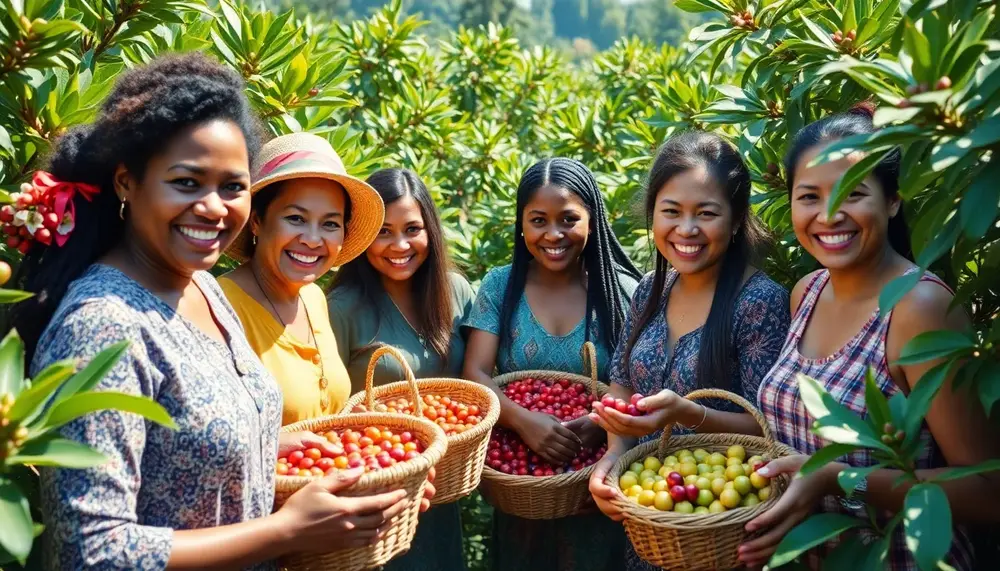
<point>304,155</point>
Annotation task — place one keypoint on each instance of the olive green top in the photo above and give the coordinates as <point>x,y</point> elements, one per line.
<point>360,328</point>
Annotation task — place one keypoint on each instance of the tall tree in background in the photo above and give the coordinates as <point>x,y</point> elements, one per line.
<point>474,13</point>
<point>659,21</point>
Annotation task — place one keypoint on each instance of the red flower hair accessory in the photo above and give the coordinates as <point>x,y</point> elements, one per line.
<point>43,211</point>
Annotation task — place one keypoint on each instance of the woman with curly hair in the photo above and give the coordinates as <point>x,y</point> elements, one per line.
<point>158,188</point>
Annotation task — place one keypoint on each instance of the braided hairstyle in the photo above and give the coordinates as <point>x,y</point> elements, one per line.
<point>603,257</point>
<point>145,109</point>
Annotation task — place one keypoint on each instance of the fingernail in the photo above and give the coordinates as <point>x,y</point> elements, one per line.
<point>763,470</point>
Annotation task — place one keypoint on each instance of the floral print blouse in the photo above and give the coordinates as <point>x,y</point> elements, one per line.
<point>216,468</point>
<point>761,323</point>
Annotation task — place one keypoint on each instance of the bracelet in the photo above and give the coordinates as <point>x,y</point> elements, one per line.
<point>703,417</point>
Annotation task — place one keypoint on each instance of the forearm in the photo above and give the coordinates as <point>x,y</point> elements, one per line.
<point>973,499</point>
<point>230,546</point>
<point>720,421</point>
<point>618,445</point>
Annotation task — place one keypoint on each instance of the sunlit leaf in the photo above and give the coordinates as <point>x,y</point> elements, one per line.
<point>927,520</point>
<point>812,532</point>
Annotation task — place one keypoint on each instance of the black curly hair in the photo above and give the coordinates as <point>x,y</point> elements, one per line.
<point>146,108</point>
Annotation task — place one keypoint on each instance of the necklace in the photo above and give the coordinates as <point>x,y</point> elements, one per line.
<point>420,337</point>
<point>318,358</point>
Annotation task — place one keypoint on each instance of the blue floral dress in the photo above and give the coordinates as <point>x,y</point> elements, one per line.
<point>589,542</point>
<point>762,320</point>
<point>216,468</point>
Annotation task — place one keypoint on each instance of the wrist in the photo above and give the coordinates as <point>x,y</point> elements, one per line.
<point>282,530</point>
<point>831,485</point>
<point>690,414</point>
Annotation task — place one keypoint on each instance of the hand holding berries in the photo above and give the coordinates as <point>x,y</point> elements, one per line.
<point>547,437</point>
<point>651,414</point>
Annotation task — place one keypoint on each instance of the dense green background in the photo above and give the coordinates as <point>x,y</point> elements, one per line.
<point>471,93</point>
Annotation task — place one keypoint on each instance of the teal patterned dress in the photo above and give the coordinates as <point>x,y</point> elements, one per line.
<point>589,542</point>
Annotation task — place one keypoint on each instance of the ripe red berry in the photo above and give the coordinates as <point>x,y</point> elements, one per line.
<point>944,83</point>
<point>678,493</point>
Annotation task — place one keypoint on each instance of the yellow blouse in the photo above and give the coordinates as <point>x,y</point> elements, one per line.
<point>309,390</point>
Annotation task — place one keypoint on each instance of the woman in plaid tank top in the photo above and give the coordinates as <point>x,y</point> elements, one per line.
<point>837,333</point>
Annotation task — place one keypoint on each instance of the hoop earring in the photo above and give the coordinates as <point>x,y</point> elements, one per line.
<point>121,211</point>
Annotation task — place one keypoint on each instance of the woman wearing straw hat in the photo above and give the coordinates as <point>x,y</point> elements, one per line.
<point>306,216</point>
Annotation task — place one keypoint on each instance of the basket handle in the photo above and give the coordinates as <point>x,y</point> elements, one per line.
<point>407,371</point>
<point>589,355</point>
<point>735,399</point>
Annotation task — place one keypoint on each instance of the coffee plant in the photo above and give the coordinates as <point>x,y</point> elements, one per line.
<point>470,112</point>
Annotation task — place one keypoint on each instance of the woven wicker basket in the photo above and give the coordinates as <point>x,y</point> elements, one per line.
<point>458,473</point>
<point>696,542</point>
<point>410,476</point>
<point>544,497</point>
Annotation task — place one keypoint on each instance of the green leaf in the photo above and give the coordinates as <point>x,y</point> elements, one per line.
<point>897,290</point>
<point>18,529</point>
<point>95,370</point>
<point>850,19</point>
<point>876,403</point>
<point>965,472</point>
<point>921,397</point>
<point>919,48</point>
<point>85,403</point>
<point>824,456</point>
<point>988,383</point>
<point>702,6</point>
<point>933,345</point>
<point>927,521</point>
<point>814,531</point>
<point>852,177</point>
<point>978,208</point>
<point>11,364</point>
<point>835,422</point>
<point>295,74</point>
<point>57,452</point>
<point>42,387</point>
<point>848,478</point>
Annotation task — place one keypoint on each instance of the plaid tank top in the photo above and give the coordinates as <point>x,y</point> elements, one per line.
<point>842,374</point>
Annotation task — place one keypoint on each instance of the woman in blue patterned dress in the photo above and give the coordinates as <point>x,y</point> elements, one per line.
<point>569,282</point>
<point>161,181</point>
<point>839,334</point>
<point>705,318</point>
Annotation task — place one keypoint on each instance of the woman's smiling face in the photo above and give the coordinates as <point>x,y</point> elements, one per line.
<point>857,232</point>
<point>402,244</point>
<point>302,231</point>
<point>692,221</point>
<point>193,198</point>
<point>556,226</point>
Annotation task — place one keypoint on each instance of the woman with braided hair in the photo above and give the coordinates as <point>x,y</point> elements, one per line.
<point>569,282</point>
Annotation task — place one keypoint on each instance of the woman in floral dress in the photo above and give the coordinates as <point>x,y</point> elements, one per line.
<point>705,318</point>
<point>160,187</point>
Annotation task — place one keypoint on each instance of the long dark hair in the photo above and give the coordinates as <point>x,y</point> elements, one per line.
<point>147,106</point>
<point>430,281</point>
<point>679,154</point>
<point>603,257</point>
<point>859,120</point>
